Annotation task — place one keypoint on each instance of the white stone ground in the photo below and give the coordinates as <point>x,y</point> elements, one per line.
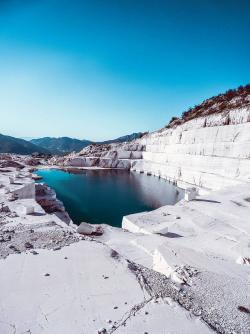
<point>86,291</point>
<point>178,269</point>
<point>206,246</point>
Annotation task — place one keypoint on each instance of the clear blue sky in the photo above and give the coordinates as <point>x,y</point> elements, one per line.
<point>100,69</point>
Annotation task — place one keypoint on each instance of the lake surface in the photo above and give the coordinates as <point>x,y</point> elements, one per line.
<point>105,196</point>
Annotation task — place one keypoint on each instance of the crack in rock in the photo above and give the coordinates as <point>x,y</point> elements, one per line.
<point>132,312</point>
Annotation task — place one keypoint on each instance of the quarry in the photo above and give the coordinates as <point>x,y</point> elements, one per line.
<point>181,268</point>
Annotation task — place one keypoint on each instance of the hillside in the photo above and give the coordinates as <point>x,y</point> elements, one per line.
<point>64,145</point>
<point>231,99</point>
<point>122,139</point>
<point>10,144</point>
<point>61,145</point>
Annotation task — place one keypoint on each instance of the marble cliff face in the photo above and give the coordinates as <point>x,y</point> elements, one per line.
<point>204,151</point>
<point>208,147</point>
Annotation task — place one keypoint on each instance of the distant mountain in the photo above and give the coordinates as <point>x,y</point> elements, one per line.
<point>122,139</point>
<point>61,145</point>
<point>64,145</point>
<point>20,146</point>
<point>27,138</point>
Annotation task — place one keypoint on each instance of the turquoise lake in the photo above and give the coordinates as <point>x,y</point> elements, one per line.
<point>105,196</point>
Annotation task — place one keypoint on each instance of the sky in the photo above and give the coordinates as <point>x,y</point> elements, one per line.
<point>101,69</point>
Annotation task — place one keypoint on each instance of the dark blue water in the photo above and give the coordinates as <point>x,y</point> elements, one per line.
<point>105,196</point>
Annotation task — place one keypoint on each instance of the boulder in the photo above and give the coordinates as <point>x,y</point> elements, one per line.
<point>23,210</point>
<point>89,229</point>
<point>85,228</point>
<point>32,162</point>
<point>4,208</point>
<point>36,177</point>
<point>12,180</point>
<point>190,194</point>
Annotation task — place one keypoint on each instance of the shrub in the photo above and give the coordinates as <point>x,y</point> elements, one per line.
<point>173,119</point>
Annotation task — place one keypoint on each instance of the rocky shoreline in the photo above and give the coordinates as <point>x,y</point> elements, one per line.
<point>189,273</point>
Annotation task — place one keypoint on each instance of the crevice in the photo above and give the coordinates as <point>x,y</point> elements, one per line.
<point>132,312</point>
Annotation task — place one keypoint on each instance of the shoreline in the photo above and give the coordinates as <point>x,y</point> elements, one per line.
<point>177,183</point>
<point>76,168</point>
<point>183,254</point>
<point>137,192</point>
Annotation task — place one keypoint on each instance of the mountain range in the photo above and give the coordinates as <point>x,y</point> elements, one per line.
<point>61,145</point>
<point>10,144</point>
<point>64,145</point>
<point>52,145</point>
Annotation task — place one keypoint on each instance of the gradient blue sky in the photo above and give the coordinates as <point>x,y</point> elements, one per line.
<point>100,69</point>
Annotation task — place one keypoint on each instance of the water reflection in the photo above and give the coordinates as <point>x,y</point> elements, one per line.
<point>105,196</point>
<point>154,191</point>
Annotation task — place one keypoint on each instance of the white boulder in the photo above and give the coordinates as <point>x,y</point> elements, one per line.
<point>190,194</point>
<point>23,210</point>
<point>88,229</point>
<point>12,180</point>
